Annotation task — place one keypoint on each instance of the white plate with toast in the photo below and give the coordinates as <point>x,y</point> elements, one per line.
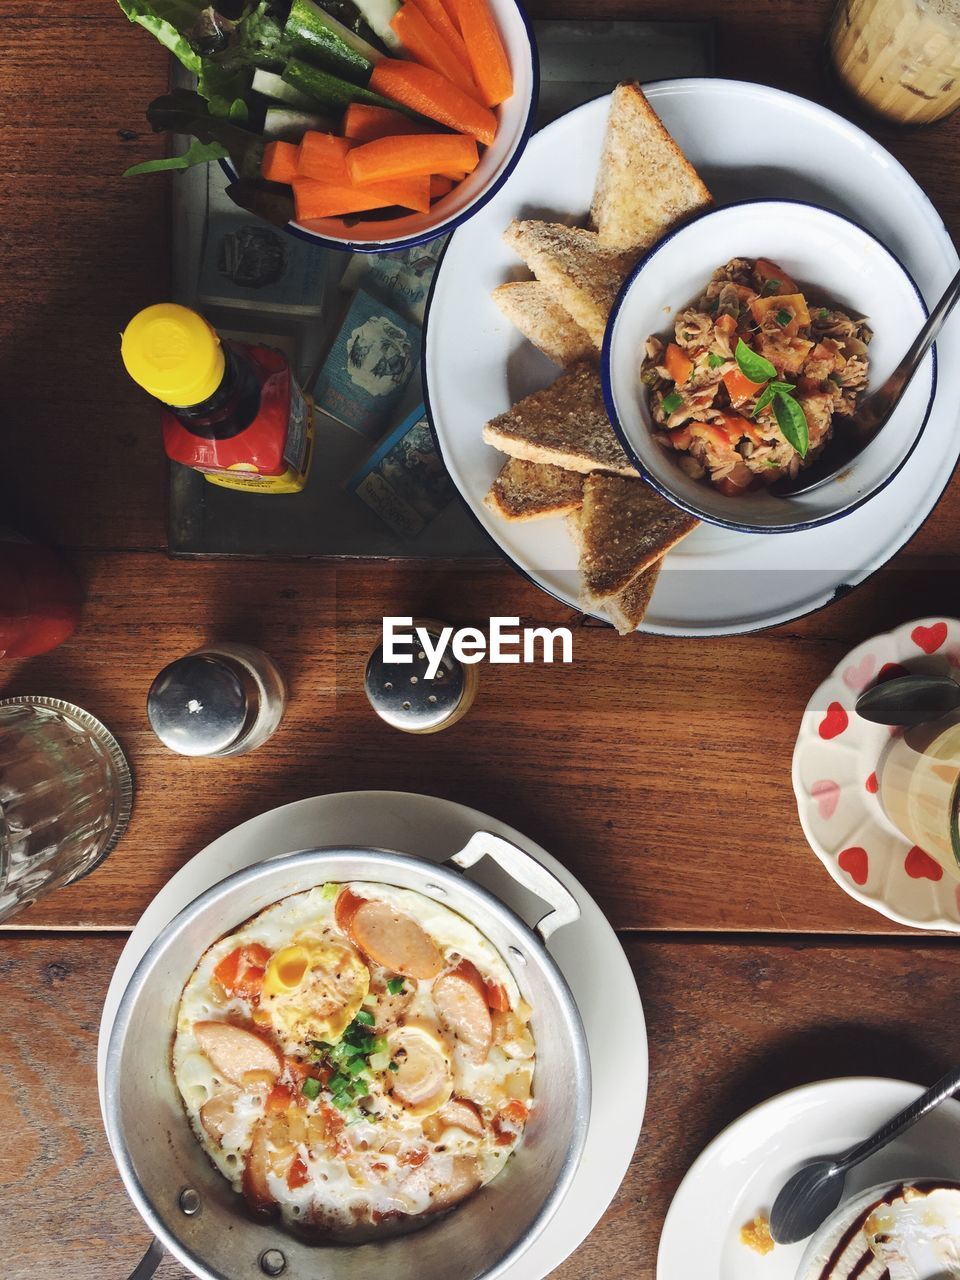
<point>747,141</point>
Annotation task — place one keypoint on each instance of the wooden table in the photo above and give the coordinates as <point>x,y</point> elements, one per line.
<point>756,972</point>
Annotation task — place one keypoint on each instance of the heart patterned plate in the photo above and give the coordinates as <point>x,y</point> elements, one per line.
<point>835,779</point>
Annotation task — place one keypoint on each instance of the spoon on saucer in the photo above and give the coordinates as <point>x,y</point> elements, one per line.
<point>909,700</point>
<point>873,411</point>
<point>812,1194</point>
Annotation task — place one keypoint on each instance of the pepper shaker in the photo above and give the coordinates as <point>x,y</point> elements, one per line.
<point>222,700</point>
<point>402,695</point>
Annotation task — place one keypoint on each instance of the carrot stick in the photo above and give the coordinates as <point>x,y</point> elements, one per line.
<point>426,44</point>
<point>451,9</point>
<point>431,94</point>
<point>440,186</point>
<point>439,19</point>
<point>315,199</point>
<point>411,157</point>
<point>323,156</point>
<point>488,58</point>
<point>362,123</point>
<point>279,162</point>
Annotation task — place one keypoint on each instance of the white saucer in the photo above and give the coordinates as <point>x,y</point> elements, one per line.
<point>588,953</point>
<point>835,780</point>
<point>739,1174</point>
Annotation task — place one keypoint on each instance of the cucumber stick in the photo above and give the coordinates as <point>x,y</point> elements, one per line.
<point>331,92</point>
<point>311,32</point>
<point>277,89</point>
<point>377,15</point>
<point>282,124</point>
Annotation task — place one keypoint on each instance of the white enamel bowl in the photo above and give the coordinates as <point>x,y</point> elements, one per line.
<point>825,252</point>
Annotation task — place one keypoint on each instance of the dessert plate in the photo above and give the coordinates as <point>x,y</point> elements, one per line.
<point>835,780</point>
<point>739,1174</point>
<point>476,364</point>
<point>587,952</point>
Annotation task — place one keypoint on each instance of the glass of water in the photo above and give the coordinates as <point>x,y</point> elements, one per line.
<point>65,795</point>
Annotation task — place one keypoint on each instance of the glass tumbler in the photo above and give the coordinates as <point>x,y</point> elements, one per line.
<point>901,58</point>
<point>65,794</point>
<point>919,779</point>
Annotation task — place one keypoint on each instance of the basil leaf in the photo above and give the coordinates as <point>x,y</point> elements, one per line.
<point>715,361</point>
<point>753,366</point>
<point>792,422</point>
<point>783,386</point>
<point>765,397</point>
<point>672,402</point>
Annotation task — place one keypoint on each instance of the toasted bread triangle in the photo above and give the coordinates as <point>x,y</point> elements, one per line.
<point>543,320</point>
<point>628,609</point>
<point>645,184</point>
<point>527,490</point>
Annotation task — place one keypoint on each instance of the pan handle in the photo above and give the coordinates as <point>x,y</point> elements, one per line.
<point>526,871</point>
<point>149,1262</point>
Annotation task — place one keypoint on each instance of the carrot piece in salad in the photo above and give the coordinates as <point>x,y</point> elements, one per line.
<point>427,45</point>
<point>431,94</point>
<point>279,162</point>
<point>363,123</point>
<point>436,14</point>
<point>314,199</point>
<point>677,363</point>
<point>411,157</point>
<point>488,58</point>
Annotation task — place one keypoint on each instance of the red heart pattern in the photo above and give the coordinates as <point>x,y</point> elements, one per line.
<point>827,796</point>
<point>858,675</point>
<point>890,671</point>
<point>855,863</point>
<point>929,639</point>
<point>834,722</point>
<point>920,866</point>
<point>872,785</point>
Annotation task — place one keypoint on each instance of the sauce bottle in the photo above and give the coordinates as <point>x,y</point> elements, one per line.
<point>232,410</point>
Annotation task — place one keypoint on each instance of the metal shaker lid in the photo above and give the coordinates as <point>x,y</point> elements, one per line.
<point>401,694</point>
<point>201,704</point>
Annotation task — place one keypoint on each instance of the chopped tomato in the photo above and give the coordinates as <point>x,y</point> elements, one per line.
<point>280,1098</point>
<point>298,1175</point>
<point>768,270</point>
<point>299,1071</point>
<point>348,904</point>
<point>712,433</point>
<point>793,305</point>
<point>516,1111</point>
<point>241,972</point>
<point>678,364</point>
<point>739,386</point>
<point>497,998</point>
<point>413,1158</point>
<point>736,426</point>
<point>726,324</point>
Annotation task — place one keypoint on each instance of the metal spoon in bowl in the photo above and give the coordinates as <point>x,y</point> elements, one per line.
<point>873,411</point>
<point>910,700</point>
<point>813,1193</point>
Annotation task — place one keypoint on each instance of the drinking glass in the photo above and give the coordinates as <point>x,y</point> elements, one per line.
<point>900,57</point>
<point>65,793</point>
<point>919,776</point>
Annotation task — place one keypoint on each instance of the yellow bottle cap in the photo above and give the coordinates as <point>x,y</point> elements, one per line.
<point>173,353</point>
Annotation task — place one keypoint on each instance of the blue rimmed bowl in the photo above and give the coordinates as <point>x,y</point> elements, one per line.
<point>497,162</point>
<point>828,254</point>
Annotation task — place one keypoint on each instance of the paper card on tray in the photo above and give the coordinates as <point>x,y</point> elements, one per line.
<point>372,359</point>
<point>400,279</point>
<point>248,264</point>
<point>404,480</point>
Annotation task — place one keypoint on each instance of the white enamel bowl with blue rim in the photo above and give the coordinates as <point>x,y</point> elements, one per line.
<point>497,162</point>
<point>833,258</point>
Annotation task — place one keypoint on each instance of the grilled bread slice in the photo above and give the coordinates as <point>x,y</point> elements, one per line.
<point>544,321</point>
<point>624,526</point>
<point>583,275</point>
<point>527,490</point>
<point>645,184</point>
<point>627,610</point>
<point>565,425</point>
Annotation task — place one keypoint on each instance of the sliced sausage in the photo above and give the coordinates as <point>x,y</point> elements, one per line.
<point>422,1082</point>
<point>347,906</point>
<point>461,1113</point>
<point>513,1036</point>
<point>217,1112</point>
<point>462,1182</point>
<point>235,1053</point>
<point>256,1188</point>
<point>461,1000</point>
<point>395,941</point>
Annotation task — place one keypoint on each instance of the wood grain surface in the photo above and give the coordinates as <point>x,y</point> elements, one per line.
<point>730,1023</point>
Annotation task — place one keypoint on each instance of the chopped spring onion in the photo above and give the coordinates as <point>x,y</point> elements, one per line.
<point>715,361</point>
<point>783,317</point>
<point>823,313</point>
<point>771,285</point>
<point>395,986</point>
<point>357,1066</point>
<point>379,1061</point>
<point>672,402</point>
<point>310,1088</point>
<point>378,1044</point>
<point>330,891</point>
<point>365,1018</point>
<point>394,1066</point>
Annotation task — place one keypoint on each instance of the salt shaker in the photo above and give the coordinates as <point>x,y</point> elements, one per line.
<point>402,695</point>
<point>223,700</point>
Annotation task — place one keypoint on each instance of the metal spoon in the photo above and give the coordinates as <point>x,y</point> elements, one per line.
<point>813,1193</point>
<point>910,700</point>
<point>874,410</point>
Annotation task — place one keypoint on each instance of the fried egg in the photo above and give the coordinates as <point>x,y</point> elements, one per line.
<point>354,1059</point>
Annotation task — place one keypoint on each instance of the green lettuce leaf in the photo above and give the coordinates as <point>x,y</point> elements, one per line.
<point>198,153</point>
<point>171,21</point>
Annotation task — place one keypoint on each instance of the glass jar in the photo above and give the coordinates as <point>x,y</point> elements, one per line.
<point>901,58</point>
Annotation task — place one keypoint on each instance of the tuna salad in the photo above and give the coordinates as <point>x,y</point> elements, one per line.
<point>748,390</point>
